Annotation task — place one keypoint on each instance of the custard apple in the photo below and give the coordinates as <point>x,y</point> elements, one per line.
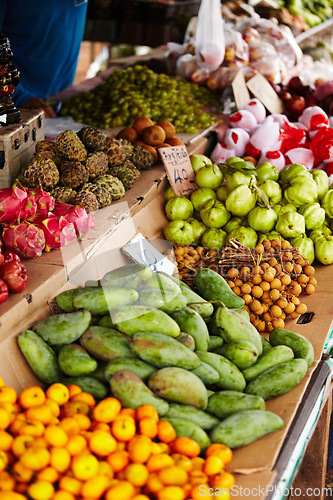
<point>73,174</point>
<point>70,147</point>
<point>92,138</point>
<point>96,164</point>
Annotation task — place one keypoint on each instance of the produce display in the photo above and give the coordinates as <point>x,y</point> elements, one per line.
<point>31,221</point>
<point>86,169</point>
<point>138,91</point>
<point>13,274</point>
<point>148,338</point>
<point>62,444</point>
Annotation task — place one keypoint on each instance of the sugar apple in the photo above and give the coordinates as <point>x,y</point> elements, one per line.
<point>64,194</point>
<point>87,200</point>
<point>115,151</point>
<point>96,164</point>
<point>73,174</point>
<point>142,158</point>
<point>113,184</point>
<point>39,173</point>
<point>70,147</point>
<point>126,172</point>
<point>102,194</point>
<point>92,138</point>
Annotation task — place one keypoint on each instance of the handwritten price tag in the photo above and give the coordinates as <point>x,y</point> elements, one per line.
<point>179,169</point>
<point>262,90</point>
<point>141,251</point>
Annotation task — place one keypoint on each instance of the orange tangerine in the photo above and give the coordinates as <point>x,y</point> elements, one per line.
<point>100,426</point>
<point>105,469</point>
<point>32,428</point>
<point>22,473</point>
<point>76,444</point>
<point>6,495</point>
<point>158,462</point>
<point>186,446</point>
<point>49,474</point>
<point>223,480</point>
<point>7,394</point>
<point>55,435</point>
<point>6,440</point>
<point>55,409</point>
<point>123,490</point>
<point>60,458</point>
<point>83,421</point>
<point>182,461</point>
<point>17,423</point>
<point>166,432</point>
<point>21,444</point>
<point>147,410</point>
<point>148,427</point>
<point>94,487</point>
<point>70,484</point>
<point>3,460</point>
<point>139,448</point>
<point>31,396</point>
<point>197,476</point>
<point>42,413</point>
<point>70,425</point>
<point>123,427</point>
<point>35,458</point>
<point>154,484</point>
<point>137,474</point>
<point>220,450</point>
<point>213,465</point>
<point>173,476</point>
<point>106,410</point>
<point>171,493</point>
<point>84,466</point>
<point>85,397</point>
<point>118,460</point>
<point>128,411</point>
<point>140,496</point>
<point>73,407</point>
<point>7,482</point>
<point>200,491</point>
<point>73,389</point>
<point>58,392</point>
<point>102,443</point>
<point>198,463</point>
<point>63,495</point>
<point>41,490</point>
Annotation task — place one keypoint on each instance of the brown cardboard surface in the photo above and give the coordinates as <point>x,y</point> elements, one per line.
<point>253,486</point>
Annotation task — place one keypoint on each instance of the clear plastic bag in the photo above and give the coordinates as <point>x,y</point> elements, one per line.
<point>209,43</point>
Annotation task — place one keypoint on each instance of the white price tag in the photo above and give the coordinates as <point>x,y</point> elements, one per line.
<point>141,251</point>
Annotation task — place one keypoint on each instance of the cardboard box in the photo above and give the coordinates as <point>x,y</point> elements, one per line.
<point>17,144</point>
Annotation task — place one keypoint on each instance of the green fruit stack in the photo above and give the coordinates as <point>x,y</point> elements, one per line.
<point>238,200</point>
<point>146,337</point>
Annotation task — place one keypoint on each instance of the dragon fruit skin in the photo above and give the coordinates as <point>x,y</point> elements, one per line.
<point>77,215</point>
<point>11,200</point>
<point>26,240</point>
<point>58,231</point>
<point>43,200</point>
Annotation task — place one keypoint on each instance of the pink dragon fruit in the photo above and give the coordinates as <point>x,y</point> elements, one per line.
<point>11,201</point>
<point>58,231</point>
<point>78,216</point>
<point>26,240</point>
<point>43,200</point>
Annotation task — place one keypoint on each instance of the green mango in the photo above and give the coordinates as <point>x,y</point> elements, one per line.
<point>212,286</point>
<point>274,356</point>
<point>224,403</point>
<point>231,377</point>
<point>243,354</point>
<point>129,276</point>
<point>184,427</point>
<point>161,350</point>
<point>244,427</point>
<point>65,299</point>
<point>137,366</point>
<point>75,361</point>
<point>63,328</point>
<point>179,386</point>
<point>153,321</point>
<point>189,321</point>
<point>193,414</point>
<point>88,384</point>
<point>207,373</point>
<point>215,341</point>
<point>187,340</point>
<point>300,345</point>
<point>40,357</point>
<point>106,343</point>
<point>100,301</point>
<point>178,302</point>
<point>132,392</point>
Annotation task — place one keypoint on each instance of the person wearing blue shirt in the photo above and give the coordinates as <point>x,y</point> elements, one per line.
<point>45,38</point>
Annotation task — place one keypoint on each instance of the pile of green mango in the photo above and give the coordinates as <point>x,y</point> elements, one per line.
<point>238,200</point>
<point>148,338</point>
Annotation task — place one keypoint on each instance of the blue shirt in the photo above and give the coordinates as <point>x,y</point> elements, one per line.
<point>45,38</point>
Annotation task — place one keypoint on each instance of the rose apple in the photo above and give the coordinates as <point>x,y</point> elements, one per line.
<point>245,235</point>
<point>313,214</point>
<point>209,176</point>
<point>179,207</point>
<point>319,233</point>
<point>222,192</point>
<point>198,229</point>
<point>241,200</point>
<point>301,190</point>
<point>292,171</point>
<point>272,190</point>
<point>281,209</point>
<point>214,238</point>
<point>272,235</point>
<point>322,180</point>
<point>236,178</point>
<point>200,196</point>
<point>266,171</point>
<point>262,218</point>
<point>179,232</point>
<point>305,246</point>
<point>235,222</point>
<point>169,193</point>
<point>198,161</point>
<point>214,214</point>
<point>290,225</point>
<point>327,203</point>
<point>324,250</point>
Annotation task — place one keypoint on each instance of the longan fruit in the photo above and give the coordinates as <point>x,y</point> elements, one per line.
<point>267,243</point>
<point>301,261</point>
<point>236,290</point>
<point>233,273</point>
<point>238,282</point>
<point>301,308</point>
<point>265,286</point>
<point>231,283</point>
<point>247,298</point>
<point>285,244</point>
<point>255,306</point>
<point>290,308</point>
<point>310,289</point>
<point>264,266</point>
<point>257,270</point>
<point>246,288</point>
<point>278,323</point>
<point>295,315</point>
<point>313,281</point>
<point>295,300</point>
<point>282,302</point>
<point>276,283</point>
<point>245,271</point>
<point>288,267</point>
<point>303,278</point>
<point>268,276</point>
<point>298,268</point>
<point>296,289</point>
<point>272,261</point>
<point>246,307</point>
<point>259,248</point>
<point>274,294</point>
<point>285,279</point>
<point>276,311</point>
<point>267,316</point>
<point>257,292</point>
<point>256,279</point>
<point>309,270</point>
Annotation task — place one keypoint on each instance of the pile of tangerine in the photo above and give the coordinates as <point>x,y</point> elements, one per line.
<point>61,444</point>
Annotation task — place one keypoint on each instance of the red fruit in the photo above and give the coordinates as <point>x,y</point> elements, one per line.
<point>252,151</point>
<point>290,137</point>
<point>26,240</point>
<point>10,203</point>
<point>3,291</point>
<point>296,105</point>
<point>58,231</point>
<point>14,275</point>
<point>329,168</point>
<point>8,255</point>
<point>77,215</point>
<point>2,259</point>
<point>295,83</point>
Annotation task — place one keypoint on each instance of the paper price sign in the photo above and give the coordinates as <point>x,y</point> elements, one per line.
<point>262,90</point>
<point>141,251</point>
<point>179,169</point>
<point>240,90</point>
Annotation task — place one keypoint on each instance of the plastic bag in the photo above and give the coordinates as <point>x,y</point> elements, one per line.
<point>210,44</point>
